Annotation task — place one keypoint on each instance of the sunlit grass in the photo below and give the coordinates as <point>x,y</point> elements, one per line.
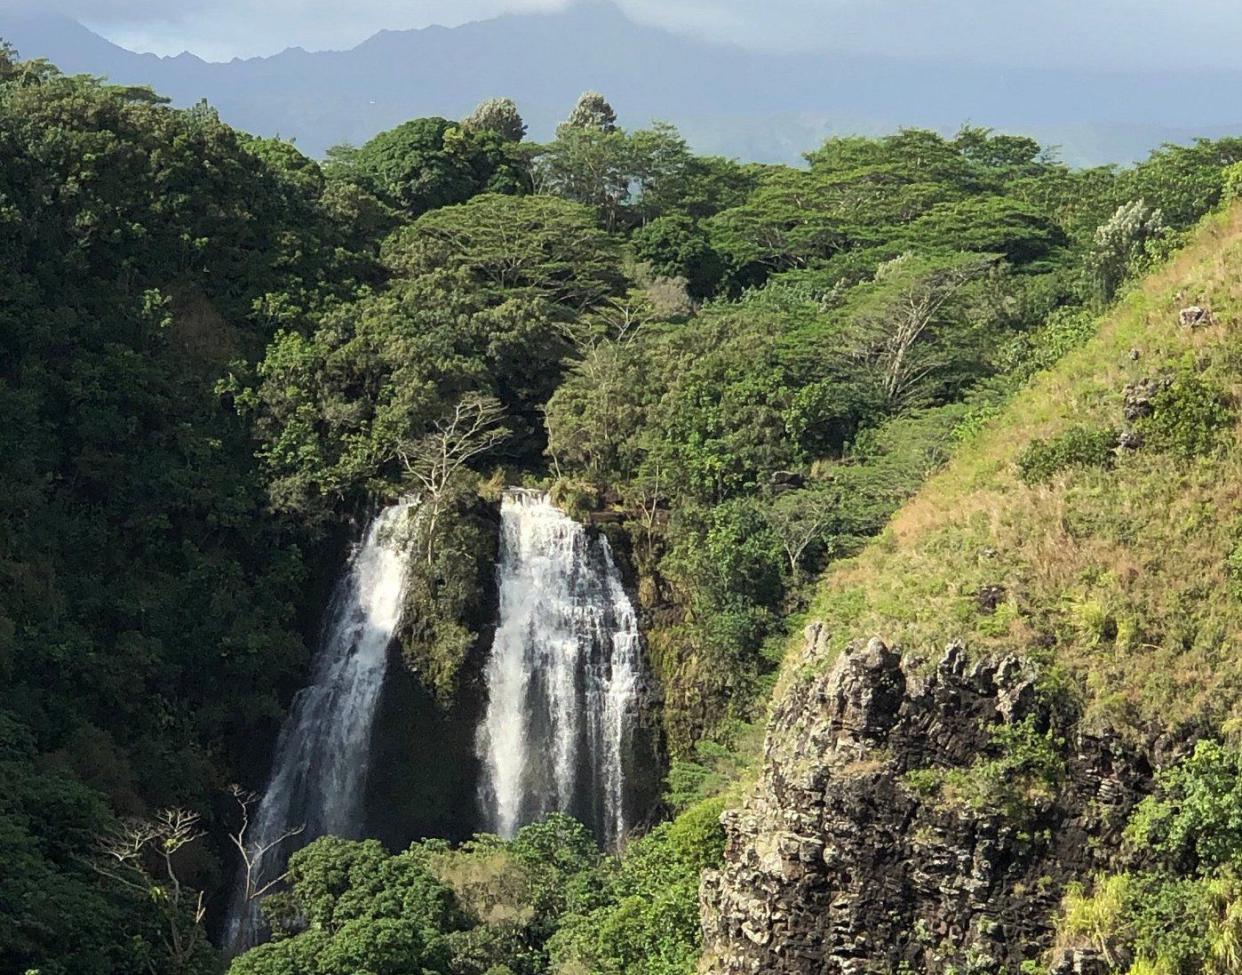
<point>1120,576</point>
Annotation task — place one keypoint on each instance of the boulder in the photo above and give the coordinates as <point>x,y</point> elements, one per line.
<point>1196,316</point>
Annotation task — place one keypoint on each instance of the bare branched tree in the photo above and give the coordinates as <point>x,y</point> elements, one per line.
<point>142,856</point>
<point>253,856</point>
<point>617,320</point>
<point>649,499</point>
<point>625,317</point>
<point>800,518</point>
<point>896,335</point>
<point>470,429</point>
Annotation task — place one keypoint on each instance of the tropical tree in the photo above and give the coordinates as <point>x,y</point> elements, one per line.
<point>1121,245</point>
<point>675,246</point>
<point>911,330</point>
<point>498,115</point>
<point>591,112</point>
<point>800,520</point>
<point>432,162</point>
<point>590,166</point>
<point>535,246</point>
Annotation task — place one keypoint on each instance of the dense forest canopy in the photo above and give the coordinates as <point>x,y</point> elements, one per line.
<point>215,351</point>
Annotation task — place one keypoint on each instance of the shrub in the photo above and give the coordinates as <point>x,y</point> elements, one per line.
<point>1027,353</point>
<point>1196,820</point>
<point>1185,916</point>
<point>717,764</point>
<point>975,421</point>
<point>1187,418</point>
<point>1233,569</point>
<point>652,925</point>
<point>575,496</point>
<point>1168,925</point>
<point>1232,182</point>
<point>445,602</point>
<point>1079,446</point>
<point>924,782</point>
<point>1095,920</point>
<point>1172,923</point>
<point>1026,767</point>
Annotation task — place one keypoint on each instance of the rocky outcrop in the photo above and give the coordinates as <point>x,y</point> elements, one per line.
<point>838,863</point>
<point>1140,398</point>
<point>1196,316</point>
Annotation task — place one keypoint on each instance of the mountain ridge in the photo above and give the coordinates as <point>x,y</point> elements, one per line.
<point>760,105</point>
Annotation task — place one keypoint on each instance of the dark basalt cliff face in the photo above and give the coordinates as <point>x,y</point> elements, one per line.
<point>836,864</point>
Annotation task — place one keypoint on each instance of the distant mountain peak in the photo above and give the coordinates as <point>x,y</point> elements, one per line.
<point>596,12</point>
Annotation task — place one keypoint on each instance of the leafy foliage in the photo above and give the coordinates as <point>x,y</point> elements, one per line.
<point>650,924</point>
<point>674,246</point>
<point>536,246</point>
<point>498,115</point>
<point>1024,771</point>
<point>1182,916</point>
<point>351,907</point>
<point>150,620</point>
<point>1188,417</point>
<point>547,901</point>
<point>1083,447</point>
<point>592,112</point>
<point>432,162</point>
<point>1122,246</point>
<point>1196,821</point>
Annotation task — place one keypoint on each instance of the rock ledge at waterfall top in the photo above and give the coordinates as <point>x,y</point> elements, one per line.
<point>837,865</point>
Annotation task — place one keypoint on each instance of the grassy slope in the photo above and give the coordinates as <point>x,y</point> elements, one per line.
<point>1117,578</point>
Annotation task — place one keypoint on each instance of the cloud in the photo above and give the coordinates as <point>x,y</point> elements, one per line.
<point>1085,33</point>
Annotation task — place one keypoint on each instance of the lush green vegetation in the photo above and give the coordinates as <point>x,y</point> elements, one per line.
<point>1026,766</point>
<point>1183,914</point>
<point>1114,563</point>
<point>150,617</point>
<point>546,901</point>
<point>214,351</point>
<point>1095,510</point>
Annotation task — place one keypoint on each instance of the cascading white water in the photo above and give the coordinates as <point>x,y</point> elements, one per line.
<point>320,764</point>
<point>563,677</point>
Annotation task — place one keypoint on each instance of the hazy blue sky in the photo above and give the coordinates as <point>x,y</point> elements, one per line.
<point>1106,33</point>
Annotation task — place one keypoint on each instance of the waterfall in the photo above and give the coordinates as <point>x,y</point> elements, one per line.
<point>320,764</point>
<point>563,677</point>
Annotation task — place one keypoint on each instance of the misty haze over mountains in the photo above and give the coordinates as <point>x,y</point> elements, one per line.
<point>754,105</point>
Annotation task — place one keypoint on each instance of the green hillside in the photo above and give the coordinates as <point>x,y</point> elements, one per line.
<point>1093,525</point>
<point>1120,569</point>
